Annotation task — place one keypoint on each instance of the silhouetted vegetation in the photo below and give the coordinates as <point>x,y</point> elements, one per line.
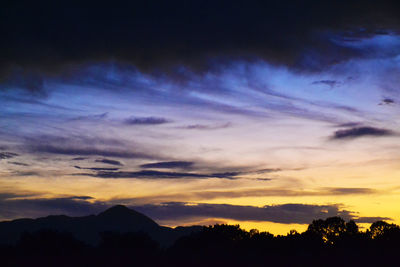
<point>330,242</point>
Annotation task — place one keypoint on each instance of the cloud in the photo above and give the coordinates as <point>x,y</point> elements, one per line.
<point>7,155</point>
<point>387,101</point>
<point>97,169</point>
<point>82,146</point>
<point>145,121</point>
<point>109,161</point>
<point>14,206</point>
<point>30,80</point>
<point>264,192</point>
<point>349,124</point>
<point>357,132</point>
<point>286,213</point>
<point>168,165</point>
<point>207,195</point>
<point>349,191</point>
<point>206,127</point>
<point>268,170</point>
<point>91,117</point>
<point>17,163</point>
<point>330,83</point>
<point>151,174</point>
<point>25,173</point>
<point>87,151</point>
<point>79,158</point>
<point>294,33</point>
<point>29,100</point>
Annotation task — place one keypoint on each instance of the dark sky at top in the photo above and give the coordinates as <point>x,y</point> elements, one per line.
<point>48,36</point>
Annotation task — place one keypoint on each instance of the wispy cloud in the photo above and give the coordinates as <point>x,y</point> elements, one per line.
<point>7,155</point>
<point>387,101</point>
<point>109,161</point>
<point>357,132</point>
<point>91,117</point>
<point>25,173</point>
<point>79,158</point>
<point>146,121</point>
<point>18,163</point>
<point>168,165</point>
<point>286,213</point>
<point>206,195</point>
<point>82,146</point>
<point>14,206</point>
<point>206,127</point>
<point>88,151</point>
<point>330,83</point>
<point>349,125</point>
<point>96,168</point>
<point>151,174</point>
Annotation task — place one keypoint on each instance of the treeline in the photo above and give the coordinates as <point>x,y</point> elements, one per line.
<point>330,242</point>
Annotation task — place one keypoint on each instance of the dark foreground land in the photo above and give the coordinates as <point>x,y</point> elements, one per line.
<point>67,241</point>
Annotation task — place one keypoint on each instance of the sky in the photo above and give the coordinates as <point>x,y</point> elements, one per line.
<point>267,115</point>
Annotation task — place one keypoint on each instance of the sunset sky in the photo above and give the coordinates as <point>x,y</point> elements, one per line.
<point>265,115</point>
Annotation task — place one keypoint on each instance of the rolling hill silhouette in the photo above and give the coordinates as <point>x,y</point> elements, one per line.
<point>88,228</point>
<point>121,237</point>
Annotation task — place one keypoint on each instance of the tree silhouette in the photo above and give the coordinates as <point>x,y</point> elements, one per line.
<point>331,229</point>
<point>382,230</point>
<point>329,242</point>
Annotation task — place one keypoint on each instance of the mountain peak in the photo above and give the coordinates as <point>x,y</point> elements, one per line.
<point>117,209</point>
<point>122,215</point>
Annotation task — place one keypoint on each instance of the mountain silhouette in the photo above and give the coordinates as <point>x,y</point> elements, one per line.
<point>121,218</point>
<point>88,228</point>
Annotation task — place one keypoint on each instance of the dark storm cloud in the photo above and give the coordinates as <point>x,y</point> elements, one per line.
<point>7,155</point>
<point>109,161</point>
<point>168,164</point>
<point>150,174</point>
<point>286,213</point>
<point>145,121</point>
<point>357,132</point>
<point>46,37</point>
